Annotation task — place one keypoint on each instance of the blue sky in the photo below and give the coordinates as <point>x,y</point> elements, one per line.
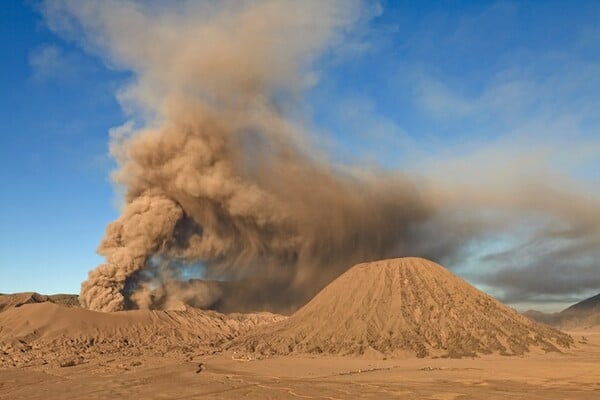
<point>56,106</point>
<point>419,86</point>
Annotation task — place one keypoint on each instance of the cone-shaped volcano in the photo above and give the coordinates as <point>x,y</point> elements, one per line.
<point>399,305</point>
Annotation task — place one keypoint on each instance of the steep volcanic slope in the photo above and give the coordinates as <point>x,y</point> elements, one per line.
<point>399,305</point>
<point>48,333</point>
<point>589,305</point>
<point>585,314</point>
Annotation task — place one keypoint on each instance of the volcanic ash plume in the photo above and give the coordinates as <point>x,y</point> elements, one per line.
<point>219,176</point>
<point>145,227</point>
<point>244,201</point>
<point>222,178</point>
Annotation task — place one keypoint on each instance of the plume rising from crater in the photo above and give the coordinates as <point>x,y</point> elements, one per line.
<point>220,175</point>
<point>222,172</point>
<point>280,219</point>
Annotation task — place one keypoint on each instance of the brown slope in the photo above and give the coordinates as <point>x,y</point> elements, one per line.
<point>585,314</point>
<point>589,305</point>
<point>8,301</point>
<point>398,305</point>
<point>69,300</point>
<point>582,315</point>
<point>35,334</point>
<point>13,300</point>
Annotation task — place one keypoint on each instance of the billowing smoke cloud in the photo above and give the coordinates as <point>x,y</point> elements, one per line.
<point>222,176</point>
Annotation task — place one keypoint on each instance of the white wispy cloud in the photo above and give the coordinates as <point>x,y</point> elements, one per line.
<point>50,62</point>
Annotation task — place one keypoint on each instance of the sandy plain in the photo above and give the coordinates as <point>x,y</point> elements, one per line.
<point>572,374</point>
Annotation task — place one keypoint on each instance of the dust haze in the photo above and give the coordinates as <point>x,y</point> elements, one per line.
<point>224,176</point>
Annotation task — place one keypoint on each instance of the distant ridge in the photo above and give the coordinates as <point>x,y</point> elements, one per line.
<point>591,304</point>
<point>18,299</point>
<point>585,314</point>
<point>399,307</point>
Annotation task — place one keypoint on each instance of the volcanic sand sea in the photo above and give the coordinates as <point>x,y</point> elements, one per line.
<point>575,374</point>
<point>52,351</point>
